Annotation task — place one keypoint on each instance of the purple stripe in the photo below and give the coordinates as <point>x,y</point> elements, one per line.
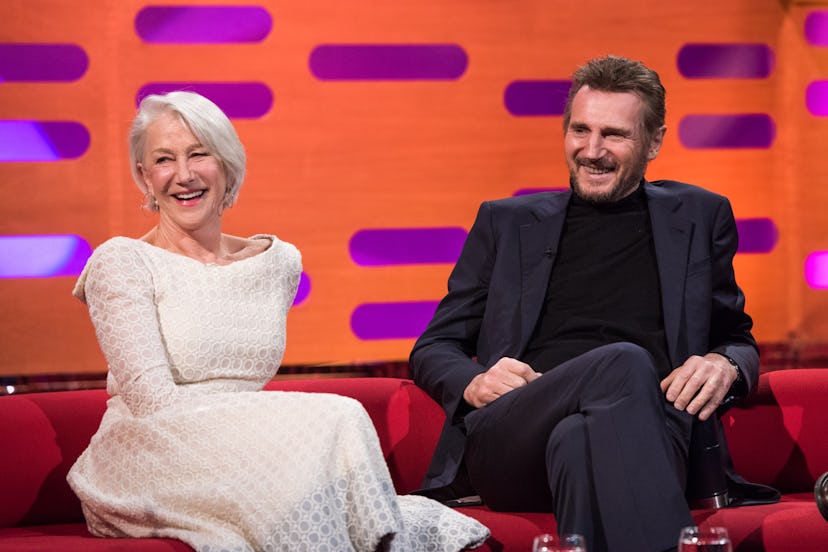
<point>816,270</point>
<point>202,24</point>
<point>537,97</point>
<point>238,100</point>
<point>42,256</point>
<point>22,141</point>
<point>391,320</point>
<point>816,98</point>
<point>816,28</point>
<point>69,140</point>
<point>42,62</point>
<point>527,191</point>
<point>388,62</point>
<point>758,235</point>
<point>303,291</point>
<point>725,61</point>
<point>727,131</point>
<point>399,246</point>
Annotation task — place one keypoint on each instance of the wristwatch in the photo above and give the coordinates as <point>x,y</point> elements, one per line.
<point>735,367</point>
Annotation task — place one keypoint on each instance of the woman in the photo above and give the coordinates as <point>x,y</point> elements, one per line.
<point>192,324</point>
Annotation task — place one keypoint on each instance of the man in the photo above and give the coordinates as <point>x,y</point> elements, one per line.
<point>583,331</point>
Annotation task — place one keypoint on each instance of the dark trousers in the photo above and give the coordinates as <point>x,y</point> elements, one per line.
<point>593,441</point>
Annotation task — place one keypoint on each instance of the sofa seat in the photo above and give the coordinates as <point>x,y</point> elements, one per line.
<point>74,537</point>
<point>779,438</point>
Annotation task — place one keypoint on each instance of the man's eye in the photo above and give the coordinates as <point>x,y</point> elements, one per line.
<point>162,160</point>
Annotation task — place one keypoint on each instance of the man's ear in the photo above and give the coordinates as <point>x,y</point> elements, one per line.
<point>656,141</point>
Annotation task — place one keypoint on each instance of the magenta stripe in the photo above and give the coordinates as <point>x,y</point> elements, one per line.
<point>727,131</point>
<point>725,61</point>
<point>23,141</point>
<point>371,321</point>
<point>238,100</point>
<point>757,235</point>
<point>816,28</point>
<point>202,24</point>
<point>388,62</point>
<point>398,246</point>
<point>536,97</point>
<point>42,62</point>
<point>42,256</point>
<point>303,290</point>
<point>816,98</point>
<point>816,270</point>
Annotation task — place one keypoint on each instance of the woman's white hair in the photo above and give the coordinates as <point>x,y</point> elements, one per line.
<point>206,121</point>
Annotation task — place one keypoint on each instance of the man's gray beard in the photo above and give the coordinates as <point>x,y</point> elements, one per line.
<point>616,194</point>
<point>625,188</point>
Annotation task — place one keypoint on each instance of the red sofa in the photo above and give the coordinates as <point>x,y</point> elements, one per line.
<point>781,439</point>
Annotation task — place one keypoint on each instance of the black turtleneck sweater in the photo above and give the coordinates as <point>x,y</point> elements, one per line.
<point>604,286</point>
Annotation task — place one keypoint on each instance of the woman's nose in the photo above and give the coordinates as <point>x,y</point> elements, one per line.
<point>183,172</point>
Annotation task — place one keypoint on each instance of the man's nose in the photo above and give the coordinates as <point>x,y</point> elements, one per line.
<point>594,146</point>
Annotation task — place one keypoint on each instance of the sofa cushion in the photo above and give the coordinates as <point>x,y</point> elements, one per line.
<point>794,524</point>
<point>779,437</point>
<point>510,531</point>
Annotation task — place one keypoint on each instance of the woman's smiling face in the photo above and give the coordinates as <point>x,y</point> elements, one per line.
<point>186,180</point>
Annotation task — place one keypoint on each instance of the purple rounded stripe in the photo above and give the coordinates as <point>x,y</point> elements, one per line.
<point>303,290</point>
<point>238,100</point>
<point>203,24</point>
<point>816,28</point>
<point>391,320</point>
<point>42,256</point>
<point>816,270</point>
<point>758,235</point>
<point>527,191</point>
<point>536,97</point>
<point>42,62</point>
<point>727,131</point>
<point>398,246</point>
<point>388,62</point>
<point>725,61</point>
<point>816,98</point>
<point>42,140</point>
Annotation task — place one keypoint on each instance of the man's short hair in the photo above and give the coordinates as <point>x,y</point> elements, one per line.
<point>618,74</point>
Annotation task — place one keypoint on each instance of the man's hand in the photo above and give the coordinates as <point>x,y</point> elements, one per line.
<point>700,384</point>
<point>506,374</point>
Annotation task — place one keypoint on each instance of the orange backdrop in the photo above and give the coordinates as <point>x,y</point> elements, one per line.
<point>333,157</point>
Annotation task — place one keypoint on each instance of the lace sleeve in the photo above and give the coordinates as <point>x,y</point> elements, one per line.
<point>117,286</point>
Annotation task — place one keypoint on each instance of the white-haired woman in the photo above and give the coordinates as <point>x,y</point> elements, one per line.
<point>192,324</point>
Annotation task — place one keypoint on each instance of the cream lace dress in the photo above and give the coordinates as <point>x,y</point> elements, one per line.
<point>190,449</point>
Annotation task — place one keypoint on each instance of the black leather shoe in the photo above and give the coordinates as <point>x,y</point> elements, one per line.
<point>821,494</point>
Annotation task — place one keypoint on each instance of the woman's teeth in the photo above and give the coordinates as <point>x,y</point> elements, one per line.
<point>191,195</point>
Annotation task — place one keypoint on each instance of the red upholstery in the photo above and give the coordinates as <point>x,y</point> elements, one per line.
<point>781,439</point>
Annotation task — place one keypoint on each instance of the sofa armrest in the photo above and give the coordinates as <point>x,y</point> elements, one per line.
<point>780,436</point>
<point>407,420</point>
<point>43,434</point>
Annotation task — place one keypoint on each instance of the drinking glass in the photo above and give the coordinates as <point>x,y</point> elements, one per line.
<point>568,542</point>
<point>708,539</point>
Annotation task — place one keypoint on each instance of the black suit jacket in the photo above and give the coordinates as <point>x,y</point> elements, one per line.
<point>498,286</point>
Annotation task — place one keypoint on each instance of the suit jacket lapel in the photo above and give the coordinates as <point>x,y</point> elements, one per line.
<point>671,234</point>
<point>538,250</point>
